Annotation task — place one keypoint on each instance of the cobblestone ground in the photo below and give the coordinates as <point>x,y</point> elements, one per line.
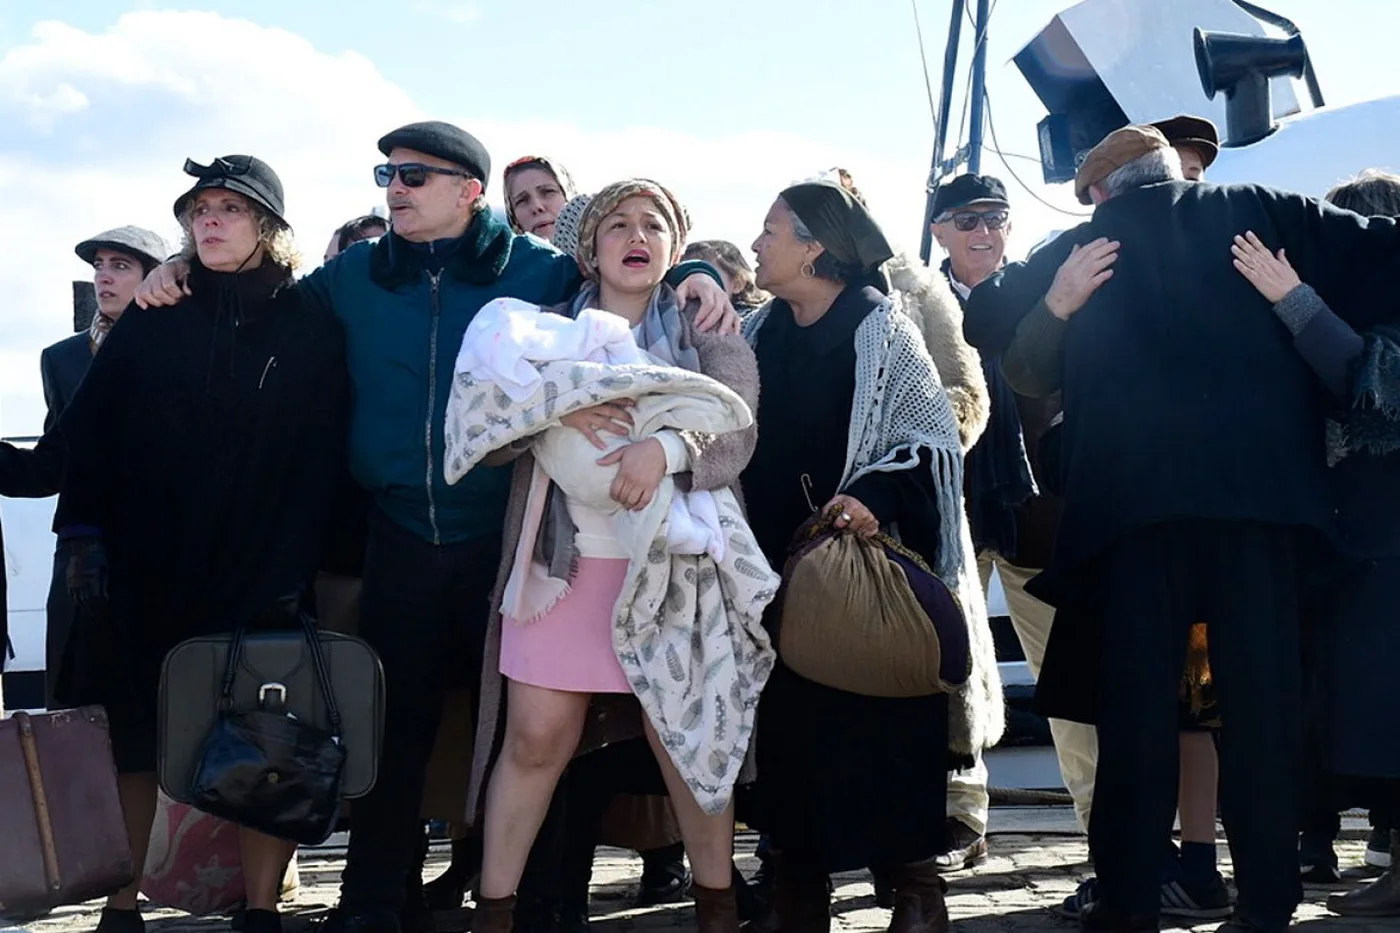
<point>1015,891</point>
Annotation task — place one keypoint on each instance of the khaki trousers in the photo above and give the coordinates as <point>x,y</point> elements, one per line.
<point>1076,745</point>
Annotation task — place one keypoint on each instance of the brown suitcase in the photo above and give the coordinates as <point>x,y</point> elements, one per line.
<point>60,817</point>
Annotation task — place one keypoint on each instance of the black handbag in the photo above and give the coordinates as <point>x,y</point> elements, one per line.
<point>264,768</point>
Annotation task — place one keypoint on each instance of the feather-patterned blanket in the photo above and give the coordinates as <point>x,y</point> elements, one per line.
<point>687,627</point>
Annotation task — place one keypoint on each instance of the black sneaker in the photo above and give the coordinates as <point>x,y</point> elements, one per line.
<point>1098,918</point>
<point>1197,898</point>
<point>343,921</point>
<point>1239,924</point>
<point>1378,849</point>
<point>1081,901</point>
<point>262,921</point>
<point>1317,863</point>
<point>120,921</point>
<point>665,879</point>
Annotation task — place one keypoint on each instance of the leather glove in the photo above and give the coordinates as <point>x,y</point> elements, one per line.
<point>85,560</point>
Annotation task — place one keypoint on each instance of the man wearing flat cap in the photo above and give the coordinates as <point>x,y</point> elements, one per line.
<point>1192,885</point>
<point>405,302</point>
<point>120,259</point>
<point>1194,478</point>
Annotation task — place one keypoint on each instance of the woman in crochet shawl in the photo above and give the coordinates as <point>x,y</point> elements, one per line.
<point>856,419</point>
<point>631,233</point>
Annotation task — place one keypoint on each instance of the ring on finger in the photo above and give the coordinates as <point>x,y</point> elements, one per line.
<point>846,517</point>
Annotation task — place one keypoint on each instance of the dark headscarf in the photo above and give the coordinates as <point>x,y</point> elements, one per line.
<point>840,223</point>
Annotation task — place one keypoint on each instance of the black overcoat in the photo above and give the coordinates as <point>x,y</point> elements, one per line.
<point>1183,395</point>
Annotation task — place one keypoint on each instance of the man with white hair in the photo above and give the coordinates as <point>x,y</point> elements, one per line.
<point>1193,469</point>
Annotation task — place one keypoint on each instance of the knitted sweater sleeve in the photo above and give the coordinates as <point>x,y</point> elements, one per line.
<point>716,460</point>
<point>1324,340</point>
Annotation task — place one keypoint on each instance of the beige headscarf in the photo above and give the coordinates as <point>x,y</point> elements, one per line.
<point>607,200</point>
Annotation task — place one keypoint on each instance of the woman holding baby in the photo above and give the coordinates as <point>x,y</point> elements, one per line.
<point>565,690</point>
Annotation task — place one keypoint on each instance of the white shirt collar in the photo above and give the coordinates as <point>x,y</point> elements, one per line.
<point>963,291</point>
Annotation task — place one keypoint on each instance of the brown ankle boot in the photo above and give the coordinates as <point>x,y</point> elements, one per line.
<point>801,900</point>
<point>716,910</point>
<point>494,915</point>
<point>1380,898</point>
<point>919,906</point>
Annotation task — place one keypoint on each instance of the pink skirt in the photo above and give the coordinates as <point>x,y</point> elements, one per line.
<point>570,647</point>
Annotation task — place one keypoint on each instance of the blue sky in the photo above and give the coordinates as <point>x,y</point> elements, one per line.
<point>726,100</point>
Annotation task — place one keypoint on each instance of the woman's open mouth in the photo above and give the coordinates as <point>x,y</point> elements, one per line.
<point>637,259</point>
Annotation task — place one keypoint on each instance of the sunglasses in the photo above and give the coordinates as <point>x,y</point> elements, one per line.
<point>413,174</point>
<point>967,221</point>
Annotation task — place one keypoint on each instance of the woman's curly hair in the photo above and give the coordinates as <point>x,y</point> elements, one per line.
<point>279,246</point>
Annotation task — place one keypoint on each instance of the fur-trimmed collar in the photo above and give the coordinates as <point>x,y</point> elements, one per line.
<point>479,258</point>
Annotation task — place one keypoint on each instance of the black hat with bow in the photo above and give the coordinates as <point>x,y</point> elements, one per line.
<point>247,175</point>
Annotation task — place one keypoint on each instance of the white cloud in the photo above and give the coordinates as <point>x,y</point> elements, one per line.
<point>99,124</point>
<point>106,148</point>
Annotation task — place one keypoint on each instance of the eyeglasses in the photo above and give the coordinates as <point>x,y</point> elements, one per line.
<point>413,174</point>
<point>967,221</point>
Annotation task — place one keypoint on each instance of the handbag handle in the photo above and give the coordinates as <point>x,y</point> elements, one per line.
<point>318,660</point>
<point>323,677</point>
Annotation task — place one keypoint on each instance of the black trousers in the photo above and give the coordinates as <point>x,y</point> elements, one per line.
<point>424,610</point>
<point>59,612</point>
<point>1242,580</point>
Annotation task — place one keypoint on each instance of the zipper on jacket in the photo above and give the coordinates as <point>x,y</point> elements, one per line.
<point>434,278</point>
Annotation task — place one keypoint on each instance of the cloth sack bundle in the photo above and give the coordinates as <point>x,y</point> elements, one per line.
<point>867,616</point>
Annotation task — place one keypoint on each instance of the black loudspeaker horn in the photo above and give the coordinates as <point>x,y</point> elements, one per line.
<point>1240,67</point>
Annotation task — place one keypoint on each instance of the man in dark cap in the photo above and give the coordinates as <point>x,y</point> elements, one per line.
<point>1195,487</point>
<point>120,259</point>
<point>972,221</point>
<point>1195,139</point>
<point>405,302</point>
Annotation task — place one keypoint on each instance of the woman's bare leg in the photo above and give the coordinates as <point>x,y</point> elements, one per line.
<point>264,866</point>
<point>542,733</point>
<point>709,839</point>
<point>138,796</point>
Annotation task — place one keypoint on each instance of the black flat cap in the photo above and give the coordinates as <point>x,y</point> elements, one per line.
<point>249,176</point>
<point>445,141</point>
<point>1193,132</point>
<point>969,189</point>
<point>133,241</point>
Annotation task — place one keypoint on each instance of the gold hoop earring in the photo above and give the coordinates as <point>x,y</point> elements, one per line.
<point>809,271</point>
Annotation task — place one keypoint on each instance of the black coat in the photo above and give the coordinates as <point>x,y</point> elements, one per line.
<point>62,367</point>
<point>199,448</point>
<point>1183,395</point>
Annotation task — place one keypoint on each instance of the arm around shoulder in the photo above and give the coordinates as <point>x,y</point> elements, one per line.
<point>717,460</point>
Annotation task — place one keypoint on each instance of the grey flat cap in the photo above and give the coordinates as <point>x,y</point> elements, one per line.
<point>135,241</point>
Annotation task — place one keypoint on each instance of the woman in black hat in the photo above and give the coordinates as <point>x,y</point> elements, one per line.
<point>854,421</point>
<point>195,485</point>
